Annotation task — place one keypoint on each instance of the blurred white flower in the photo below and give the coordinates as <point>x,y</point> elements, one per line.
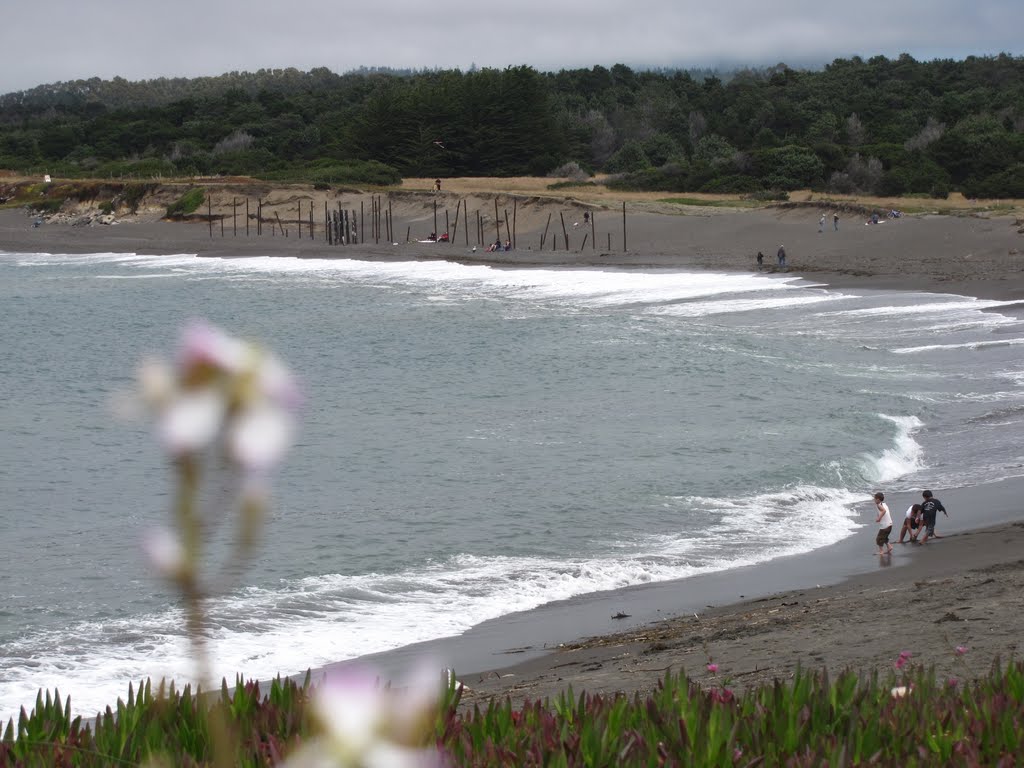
<point>192,420</point>
<point>260,436</point>
<point>202,343</point>
<point>221,388</point>
<point>165,552</point>
<point>369,726</point>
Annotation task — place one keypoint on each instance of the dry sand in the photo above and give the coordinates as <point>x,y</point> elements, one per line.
<point>963,590</point>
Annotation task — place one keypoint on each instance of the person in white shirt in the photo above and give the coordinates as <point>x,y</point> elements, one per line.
<point>912,523</point>
<point>884,520</point>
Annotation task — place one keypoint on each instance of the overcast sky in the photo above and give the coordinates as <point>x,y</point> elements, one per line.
<point>78,39</point>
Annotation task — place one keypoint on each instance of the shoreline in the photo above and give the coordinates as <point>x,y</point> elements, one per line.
<point>762,621</point>
<point>577,642</point>
<point>961,254</point>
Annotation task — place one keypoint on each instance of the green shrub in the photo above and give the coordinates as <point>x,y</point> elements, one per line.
<point>187,203</point>
<point>133,194</point>
<point>47,205</point>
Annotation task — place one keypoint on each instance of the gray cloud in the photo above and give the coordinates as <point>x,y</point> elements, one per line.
<point>106,38</point>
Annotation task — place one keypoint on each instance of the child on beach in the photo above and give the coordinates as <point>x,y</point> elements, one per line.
<point>884,520</point>
<point>930,509</point>
<point>911,523</point>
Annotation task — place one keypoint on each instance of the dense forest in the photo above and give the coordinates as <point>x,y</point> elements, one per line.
<point>882,126</point>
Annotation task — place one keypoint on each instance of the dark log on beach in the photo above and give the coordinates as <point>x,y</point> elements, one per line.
<point>283,232</point>
<point>585,236</point>
<point>565,232</point>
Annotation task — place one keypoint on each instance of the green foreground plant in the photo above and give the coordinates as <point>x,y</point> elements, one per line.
<point>906,720</point>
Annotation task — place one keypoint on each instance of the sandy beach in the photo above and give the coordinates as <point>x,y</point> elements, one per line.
<point>841,607</point>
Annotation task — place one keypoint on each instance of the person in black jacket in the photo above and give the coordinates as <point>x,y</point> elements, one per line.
<point>930,509</point>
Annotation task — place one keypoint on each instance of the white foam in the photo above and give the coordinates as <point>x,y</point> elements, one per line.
<point>972,345</point>
<point>323,619</point>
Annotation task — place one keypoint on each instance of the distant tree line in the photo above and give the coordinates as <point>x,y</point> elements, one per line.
<point>875,126</point>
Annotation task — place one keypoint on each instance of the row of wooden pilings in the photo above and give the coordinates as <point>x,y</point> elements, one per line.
<point>339,224</point>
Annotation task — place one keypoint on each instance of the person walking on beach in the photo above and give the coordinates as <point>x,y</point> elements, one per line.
<point>835,221</point>
<point>781,256</point>
<point>930,509</point>
<point>911,524</point>
<point>884,520</point>
<point>760,261</point>
<point>821,223</point>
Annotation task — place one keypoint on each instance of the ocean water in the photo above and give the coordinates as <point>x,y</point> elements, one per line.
<point>475,441</point>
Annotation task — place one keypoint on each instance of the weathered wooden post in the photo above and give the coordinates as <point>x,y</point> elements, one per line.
<point>455,229</point>
<point>593,233</point>
<point>298,219</point>
<point>209,212</point>
<point>447,225</point>
<point>497,221</point>
<point>247,217</point>
<point>361,218</point>
<point>623,226</point>
<point>435,217</point>
<point>234,217</point>
<point>565,233</point>
<point>544,237</point>
<point>515,207</point>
